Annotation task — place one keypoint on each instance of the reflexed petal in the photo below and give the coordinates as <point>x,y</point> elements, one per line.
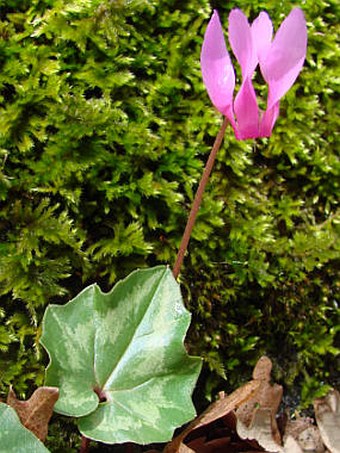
<point>247,112</point>
<point>285,58</point>
<point>262,33</point>
<point>240,38</point>
<point>268,120</point>
<point>217,70</point>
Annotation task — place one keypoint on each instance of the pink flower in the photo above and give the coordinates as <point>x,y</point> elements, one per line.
<point>280,62</point>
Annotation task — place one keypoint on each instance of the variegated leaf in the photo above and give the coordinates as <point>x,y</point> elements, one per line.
<point>119,359</point>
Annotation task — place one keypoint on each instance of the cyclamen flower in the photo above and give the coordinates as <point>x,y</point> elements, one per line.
<point>280,62</point>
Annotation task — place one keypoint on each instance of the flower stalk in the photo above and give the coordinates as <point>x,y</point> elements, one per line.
<point>198,199</point>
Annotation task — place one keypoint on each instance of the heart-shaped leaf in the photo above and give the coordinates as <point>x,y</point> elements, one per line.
<point>119,359</point>
<point>14,437</point>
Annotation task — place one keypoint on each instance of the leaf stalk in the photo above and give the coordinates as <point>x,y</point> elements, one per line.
<point>85,444</point>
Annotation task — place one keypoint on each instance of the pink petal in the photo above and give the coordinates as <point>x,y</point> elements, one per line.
<point>283,61</point>
<point>268,120</point>
<point>217,70</point>
<point>262,33</point>
<point>240,38</point>
<point>246,111</point>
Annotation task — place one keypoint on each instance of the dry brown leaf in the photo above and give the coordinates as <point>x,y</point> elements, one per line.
<point>36,412</point>
<point>260,429</point>
<point>227,403</point>
<point>327,414</point>
<point>305,434</point>
<point>215,411</point>
<point>252,409</point>
<point>258,413</point>
<point>295,427</point>
<point>224,444</point>
<point>185,449</point>
<point>310,440</point>
<point>291,445</point>
<point>201,445</point>
<point>263,369</point>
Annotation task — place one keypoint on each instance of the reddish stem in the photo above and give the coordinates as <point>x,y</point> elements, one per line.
<point>85,443</point>
<point>198,199</point>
